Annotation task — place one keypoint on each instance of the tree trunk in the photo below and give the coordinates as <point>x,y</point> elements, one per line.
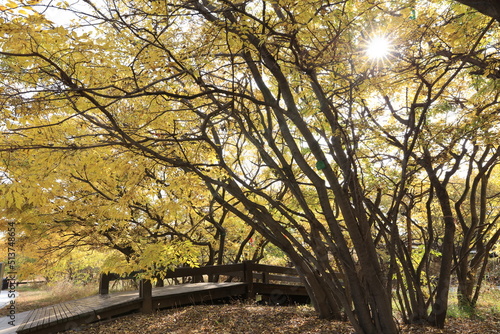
<point>440,307</point>
<point>490,8</point>
<point>320,292</point>
<point>437,317</point>
<point>465,291</point>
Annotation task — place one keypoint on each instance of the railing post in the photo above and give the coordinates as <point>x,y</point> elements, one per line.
<point>265,277</point>
<point>248,277</point>
<point>146,293</point>
<point>159,282</point>
<point>104,284</point>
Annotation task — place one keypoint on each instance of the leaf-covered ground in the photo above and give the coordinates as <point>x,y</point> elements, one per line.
<point>245,318</point>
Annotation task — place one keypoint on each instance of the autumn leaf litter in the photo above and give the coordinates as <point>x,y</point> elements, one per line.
<point>247,318</point>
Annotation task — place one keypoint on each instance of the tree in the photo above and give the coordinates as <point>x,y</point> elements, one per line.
<point>425,117</point>
<point>478,220</point>
<point>275,108</point>
<point>61,204</point>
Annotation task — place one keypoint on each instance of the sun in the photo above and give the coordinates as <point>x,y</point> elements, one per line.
<point>378,47</point>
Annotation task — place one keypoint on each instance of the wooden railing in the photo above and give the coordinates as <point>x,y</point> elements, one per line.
<point>247,272</point>
<point>258,278</point>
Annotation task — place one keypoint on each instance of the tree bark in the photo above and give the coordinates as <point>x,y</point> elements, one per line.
<point>440,307</point>
<point>489,8</point>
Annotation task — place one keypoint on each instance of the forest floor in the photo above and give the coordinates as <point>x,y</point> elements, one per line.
<point>246,317</point>
<point>239,318</point>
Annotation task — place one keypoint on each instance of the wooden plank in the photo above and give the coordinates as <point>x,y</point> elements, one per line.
<point>59,313</point>
<point>33,319</point>
<point>48,315</point>
<point>280,278</point>
<point>273,269</point>
<point>72,313</point>
<point>66,312</point>
<point>276,289</point>
<point>206,270</point>
<point>119,309</point>
<point>29,318</point>
<point>55,313</point>
<point>72,310</point>
<point>44,316</point>
<point>60,316</point>
<point>197,295</point>
<point>39,317</point>
<point>84,307</point>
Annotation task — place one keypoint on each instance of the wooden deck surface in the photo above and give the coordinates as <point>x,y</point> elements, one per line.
<point>274,284</point>
<point>70,315</point>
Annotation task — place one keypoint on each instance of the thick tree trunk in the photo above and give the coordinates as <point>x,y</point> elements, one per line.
<point>440,307</point>
<point>320,292</point>
<point>373,308</point>
<point>465,291</point>
<point>489,8</point>
<point>370,314</point>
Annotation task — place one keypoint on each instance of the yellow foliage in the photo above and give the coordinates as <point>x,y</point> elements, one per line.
<point>132,131</point>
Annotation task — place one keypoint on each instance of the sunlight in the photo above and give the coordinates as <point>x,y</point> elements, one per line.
<point>378,47</point>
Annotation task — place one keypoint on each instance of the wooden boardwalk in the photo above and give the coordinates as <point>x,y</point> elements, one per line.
<point>252,280</point>
<point>72,314</point>
<point>68,315</point>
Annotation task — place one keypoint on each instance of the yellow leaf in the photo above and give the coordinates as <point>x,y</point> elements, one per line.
<point>12,4</point>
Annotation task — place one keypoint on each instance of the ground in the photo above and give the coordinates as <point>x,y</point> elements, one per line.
<point>239,318</point>
<point>245,317</point>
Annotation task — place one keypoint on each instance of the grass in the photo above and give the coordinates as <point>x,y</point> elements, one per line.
<point>487,306</point>
<point>35,296</point>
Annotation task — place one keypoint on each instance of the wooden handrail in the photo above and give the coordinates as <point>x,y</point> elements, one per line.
<point>226,269</point>
<point>259,278</point>
<point>247,271</point>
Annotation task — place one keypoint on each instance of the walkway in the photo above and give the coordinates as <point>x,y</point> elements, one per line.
<point>254,279</point>
<point>72,314</point>
<point>5,326</point>
<point>11,328</point>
